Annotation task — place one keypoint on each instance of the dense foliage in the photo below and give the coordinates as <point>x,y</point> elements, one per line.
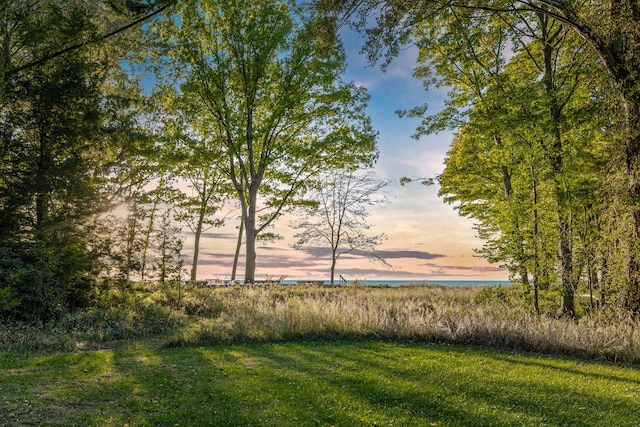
<point>535,127</point>
<point>99,177</point>
<point>65,124</point>
<point>545,102</point>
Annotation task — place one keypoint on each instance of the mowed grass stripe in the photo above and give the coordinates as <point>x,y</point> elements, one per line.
<point>309,384</point>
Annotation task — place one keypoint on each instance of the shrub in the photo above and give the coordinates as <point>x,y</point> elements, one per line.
<point>43,282</point>
<point>37,289</point>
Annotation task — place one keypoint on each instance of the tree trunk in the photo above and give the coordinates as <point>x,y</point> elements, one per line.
<point>593,278</point>
<point>536,240</point>
<point>557,170</point>
<point>147,240</point>
<point>196,246</point>
<point>237,254</point>
<point>566,261</point>
<point>40,185</point>
<point>333,265</point>
<point>250,232</point>
<point>604,282</point>
<point>536,262</point>
<point>132,234</point>
<point>508,190</point>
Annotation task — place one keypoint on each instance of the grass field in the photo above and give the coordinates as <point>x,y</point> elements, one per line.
<point>314,384</point>
<point>313,356</point>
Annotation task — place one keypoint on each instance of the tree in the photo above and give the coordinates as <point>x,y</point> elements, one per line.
<point>198,210</point>
<point>236,254</point>
<point>14,14</point>
<point>469,56</point>
<point>65,126</point>
<point>167,262</point>
<point>337,219</point>
<point>193,154</point>
<point>267,80</point>
<point>209,189</point>
<point>554,126</point>
<point>124,242</point>
<point>51,173</point>
<point>612,31</point>
<point>560,60</point>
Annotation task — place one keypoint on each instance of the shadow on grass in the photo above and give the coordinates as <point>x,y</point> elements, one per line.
<point>461,386</point>
<point>596,370</point>
<point>315,384</point>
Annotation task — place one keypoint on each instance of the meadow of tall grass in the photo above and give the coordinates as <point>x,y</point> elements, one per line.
<point>491,317</point>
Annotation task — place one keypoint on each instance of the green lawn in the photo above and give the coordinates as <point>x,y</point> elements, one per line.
<point>309,384</point>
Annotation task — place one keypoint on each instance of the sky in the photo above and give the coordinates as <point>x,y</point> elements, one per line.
<point>426,238</point>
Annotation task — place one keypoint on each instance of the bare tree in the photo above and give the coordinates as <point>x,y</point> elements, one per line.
<point>337,218</point>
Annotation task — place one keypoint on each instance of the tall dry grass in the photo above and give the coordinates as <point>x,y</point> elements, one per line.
<point>415,313</point>
<point>282,313</point>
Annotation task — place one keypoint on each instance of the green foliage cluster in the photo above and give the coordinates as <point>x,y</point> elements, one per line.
<point>93,168</point>
<point>535,127</point>
<point>41,287</point>
<point>544,97</point>
<point>117,314</point>
<point>67,128</point>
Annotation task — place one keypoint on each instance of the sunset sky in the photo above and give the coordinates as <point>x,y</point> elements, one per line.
<point>426,237</point>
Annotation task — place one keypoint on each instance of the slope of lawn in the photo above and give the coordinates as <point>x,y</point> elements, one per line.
<point>314,384</point>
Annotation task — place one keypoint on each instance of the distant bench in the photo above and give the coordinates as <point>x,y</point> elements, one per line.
<point>213,283</point>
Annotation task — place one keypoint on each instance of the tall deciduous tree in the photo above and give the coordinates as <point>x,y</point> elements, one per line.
<point>167,262</point>
<point>192,155</point>
<point>207,189</point>
<point>267,77</point>
<point>198,210</point>
<point>469,57</point>
<point>545,122</point>
<point>337,219</point>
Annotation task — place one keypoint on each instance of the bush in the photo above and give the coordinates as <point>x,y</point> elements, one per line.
<point>8,300</point>
<point>36,287</point>
<point>43,283</point>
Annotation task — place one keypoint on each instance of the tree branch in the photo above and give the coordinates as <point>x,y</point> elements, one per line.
<point>76,46</point>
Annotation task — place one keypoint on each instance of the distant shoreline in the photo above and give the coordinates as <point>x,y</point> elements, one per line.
<point>365,282</point>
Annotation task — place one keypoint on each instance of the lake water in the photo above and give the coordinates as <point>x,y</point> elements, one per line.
<point>429,282</point>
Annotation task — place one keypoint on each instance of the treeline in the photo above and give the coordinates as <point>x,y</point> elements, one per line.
<point>99,174</point>
<point>72,147</point>
<point>536,158</point>
<point>544,104</point>
<point>545,100</point>
<point>248,108</point>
